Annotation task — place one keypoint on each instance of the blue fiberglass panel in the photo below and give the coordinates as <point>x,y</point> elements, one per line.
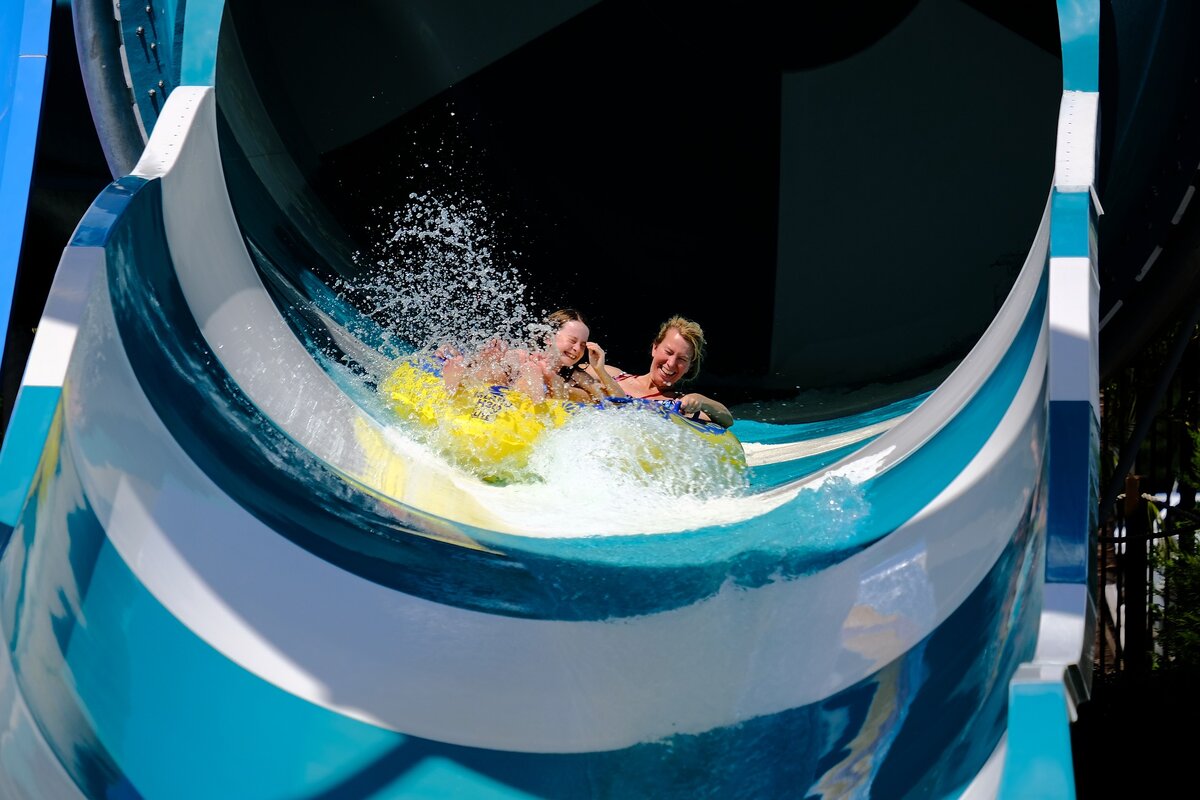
<point>35,406</point>
<point>148,60</point>
<point>31,419</point>
<point>1075,487</point>
<point>35,26</point>
<point>768,476</point>
<point>201,26</point>
<point>1079,31</point>
<point>97,224</point>
<point>1070,223</point>
<point>105,680</point>
<point>589,578</point>
<point>109,672</point>
<point>1039,761</point>
<point>24,34</point>
<point>772,433</point>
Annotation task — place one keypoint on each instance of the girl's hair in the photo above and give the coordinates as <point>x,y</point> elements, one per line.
<point>556,319</point>
<point>693,333</point>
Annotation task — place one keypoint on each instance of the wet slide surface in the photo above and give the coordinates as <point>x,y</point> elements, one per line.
<point>394,624</point>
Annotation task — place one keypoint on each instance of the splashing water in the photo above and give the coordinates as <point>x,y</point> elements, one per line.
<point>638,449</point>
<point>435,277</point>
<point>631,473</point>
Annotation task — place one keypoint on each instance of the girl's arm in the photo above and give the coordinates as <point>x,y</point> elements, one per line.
<point>601,372</point>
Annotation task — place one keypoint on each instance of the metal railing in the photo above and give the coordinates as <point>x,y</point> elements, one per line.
<point>1150,416</point>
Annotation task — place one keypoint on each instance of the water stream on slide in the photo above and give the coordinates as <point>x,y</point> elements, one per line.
<point>432,276</point>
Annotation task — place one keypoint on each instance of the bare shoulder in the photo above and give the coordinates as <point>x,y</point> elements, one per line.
<point>613,371</point>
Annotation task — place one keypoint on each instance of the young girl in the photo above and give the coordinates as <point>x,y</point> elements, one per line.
<point>554,372</point>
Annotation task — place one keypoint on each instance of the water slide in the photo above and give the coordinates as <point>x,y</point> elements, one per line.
<point>227,571</point>
<point>24,29</point>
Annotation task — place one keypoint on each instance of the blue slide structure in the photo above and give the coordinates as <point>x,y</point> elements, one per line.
<point>25,28</point>
<point>222,577</point>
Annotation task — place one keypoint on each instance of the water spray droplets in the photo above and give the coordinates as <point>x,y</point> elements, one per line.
<point>436,275</point>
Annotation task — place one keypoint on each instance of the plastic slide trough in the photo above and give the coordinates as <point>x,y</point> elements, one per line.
<point>223,576</point>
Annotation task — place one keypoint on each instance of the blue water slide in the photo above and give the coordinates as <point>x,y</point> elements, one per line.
<point>223,574</point>
<point>24,40</point>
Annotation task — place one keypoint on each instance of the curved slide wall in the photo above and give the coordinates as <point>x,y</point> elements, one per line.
<point>219,574</point>
<point>24,35</point>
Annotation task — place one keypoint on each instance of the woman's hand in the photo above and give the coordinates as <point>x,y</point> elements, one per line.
<point>691,404</point>
<point>695,404</point>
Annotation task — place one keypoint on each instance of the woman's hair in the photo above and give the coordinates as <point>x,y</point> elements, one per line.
<point>693,333</point>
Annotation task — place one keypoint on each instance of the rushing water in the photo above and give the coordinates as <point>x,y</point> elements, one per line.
<point>434,276</point>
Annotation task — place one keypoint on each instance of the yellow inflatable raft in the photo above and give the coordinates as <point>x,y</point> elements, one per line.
<point>491,430</point>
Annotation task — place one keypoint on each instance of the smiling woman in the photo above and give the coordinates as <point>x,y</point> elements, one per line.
<point>675,358</point>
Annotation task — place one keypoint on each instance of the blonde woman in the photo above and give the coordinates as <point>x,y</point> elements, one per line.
<point>675,358</point>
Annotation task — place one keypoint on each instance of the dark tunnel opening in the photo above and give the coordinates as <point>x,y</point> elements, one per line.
<point>836,216</point>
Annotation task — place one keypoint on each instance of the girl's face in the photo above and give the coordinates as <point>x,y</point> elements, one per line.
<point>571,341</point>
<point>670,359</point>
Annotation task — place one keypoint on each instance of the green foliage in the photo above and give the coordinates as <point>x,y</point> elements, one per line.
<point>1179,636</point>
<point>1167,455</point>
<point>1194,463</point>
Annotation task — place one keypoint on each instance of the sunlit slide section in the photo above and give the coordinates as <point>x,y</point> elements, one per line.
<point>1046,691</point>
<point>225,570</point>
<point>24,34</point>
<point>28,767</point>
<point>220,541</point>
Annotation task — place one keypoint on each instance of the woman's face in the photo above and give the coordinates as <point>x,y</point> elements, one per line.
<point>571,341</point>
<point>670,359</point>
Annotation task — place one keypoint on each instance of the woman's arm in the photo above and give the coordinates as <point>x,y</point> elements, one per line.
<point>708,409</point>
